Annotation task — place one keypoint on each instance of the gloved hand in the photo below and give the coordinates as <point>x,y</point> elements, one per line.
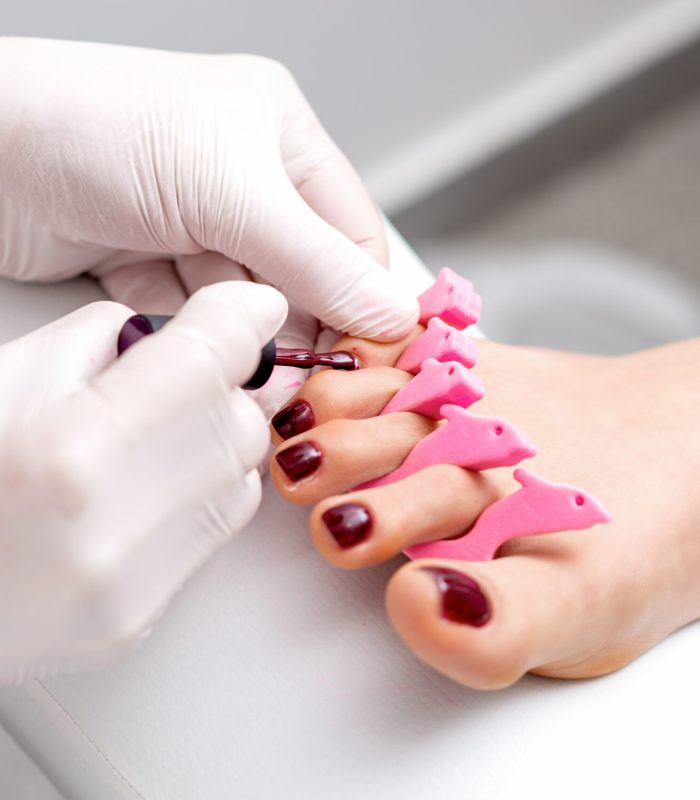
<point>120,478</point>
<point>302,330</point>
<point>133,164</point>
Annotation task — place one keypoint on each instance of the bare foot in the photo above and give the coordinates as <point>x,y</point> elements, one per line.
<point>566,605</point>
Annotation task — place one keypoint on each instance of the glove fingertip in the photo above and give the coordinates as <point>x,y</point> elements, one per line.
<point>387,319</point>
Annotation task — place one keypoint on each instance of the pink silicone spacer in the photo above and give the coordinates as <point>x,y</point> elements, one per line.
<point>452,298</point>
<point>441,342</point>
<point>434,386</point>
<point>465,441</point>
<point>539,507</point>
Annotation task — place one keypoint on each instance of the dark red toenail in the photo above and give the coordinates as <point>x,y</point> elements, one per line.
<point>462,599</point>
<point>350,524</point>
<point>300,460</point>
<point>295,418</point>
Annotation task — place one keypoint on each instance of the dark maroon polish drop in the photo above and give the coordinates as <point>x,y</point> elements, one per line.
<point>462,599</point>
<point>349,523</point>
<point>300,460</point>
<point>294,419</point>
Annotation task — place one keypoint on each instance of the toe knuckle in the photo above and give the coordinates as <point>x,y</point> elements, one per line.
<point>324,386</point>
<point>340,429</point>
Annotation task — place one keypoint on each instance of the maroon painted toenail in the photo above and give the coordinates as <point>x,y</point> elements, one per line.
<point>462,599</point>
<point>295,418</point>
<point>300,460</point>
<point>349,523</point>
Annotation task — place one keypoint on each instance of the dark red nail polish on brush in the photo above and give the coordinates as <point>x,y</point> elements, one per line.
<point>294,419</point>
<point>462,599</point>
<point>300,460</point>
<point>349,523</point>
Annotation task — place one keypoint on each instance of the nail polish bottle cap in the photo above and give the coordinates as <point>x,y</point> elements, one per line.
<point>141,325</point>
<point>137,327</point>
<point>267,363</point>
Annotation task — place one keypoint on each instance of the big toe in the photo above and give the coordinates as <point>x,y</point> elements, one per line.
<point>485,624</point>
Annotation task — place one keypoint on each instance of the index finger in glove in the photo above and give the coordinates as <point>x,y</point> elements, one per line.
<point>325,178</point>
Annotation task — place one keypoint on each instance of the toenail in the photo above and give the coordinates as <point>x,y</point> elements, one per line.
<point>294,419</point>
<point>462,599</point>
<point>300,460</point>
<point>349,523</point>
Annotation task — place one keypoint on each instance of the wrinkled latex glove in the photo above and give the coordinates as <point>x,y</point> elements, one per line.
<point>131,164</point>
<point>302,330</point>
<point>119,478</point>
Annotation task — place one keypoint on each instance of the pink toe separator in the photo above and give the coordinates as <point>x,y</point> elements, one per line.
<point>436,384</point>
<point>467,441</point>
<point>441,342</point>
<point>539,507</point>
<point>451,298</point>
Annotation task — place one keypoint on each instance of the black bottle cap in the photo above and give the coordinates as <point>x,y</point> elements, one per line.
<point>157,320</point>
<point>141,325</point>
<point>267,363</point>
<point>136,328</point>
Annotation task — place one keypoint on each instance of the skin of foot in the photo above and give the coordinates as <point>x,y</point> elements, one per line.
<point>573,604</point>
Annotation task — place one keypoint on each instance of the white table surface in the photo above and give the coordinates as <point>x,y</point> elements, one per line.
<point>20,778</point>
<point>275,676</point>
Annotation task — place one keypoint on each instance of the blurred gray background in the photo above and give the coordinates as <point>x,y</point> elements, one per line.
<point>381,73</point>
<point>548,149</point>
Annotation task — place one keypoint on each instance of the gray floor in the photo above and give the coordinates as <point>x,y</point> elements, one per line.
<point>603,257</point>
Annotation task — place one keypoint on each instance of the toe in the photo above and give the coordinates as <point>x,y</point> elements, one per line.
<point>485,624</point>
<point>344,453</point>
<point>332,395</point>
<point>372,525</point>
<point>377,354</point>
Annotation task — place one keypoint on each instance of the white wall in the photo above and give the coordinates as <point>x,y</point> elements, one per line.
<point>382,73</point>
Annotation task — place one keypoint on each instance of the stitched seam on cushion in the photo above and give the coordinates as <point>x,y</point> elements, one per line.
<point>81,731</point>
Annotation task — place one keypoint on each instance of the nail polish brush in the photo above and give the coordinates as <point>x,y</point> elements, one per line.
<point>141,325</point>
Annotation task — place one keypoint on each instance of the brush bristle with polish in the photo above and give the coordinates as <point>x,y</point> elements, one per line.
<point>305,359</point>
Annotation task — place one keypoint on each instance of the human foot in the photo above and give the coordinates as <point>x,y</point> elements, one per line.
<point>568,605</point>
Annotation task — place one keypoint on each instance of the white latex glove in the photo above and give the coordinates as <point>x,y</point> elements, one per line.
<point>119,478</point>
<point>131,164</point>
<point>302,330</point>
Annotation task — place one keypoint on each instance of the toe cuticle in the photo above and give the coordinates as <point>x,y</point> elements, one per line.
<point>461,599</point>
<point>294,419</point>
<point>349,524</point>
<point>299,461</point>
